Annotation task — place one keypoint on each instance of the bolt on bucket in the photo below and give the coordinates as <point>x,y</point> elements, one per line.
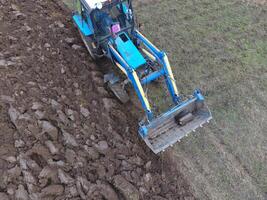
<point>175,124</point>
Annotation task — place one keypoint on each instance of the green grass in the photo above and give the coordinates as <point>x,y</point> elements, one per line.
<point>69,3</point>
<point>221,47</point>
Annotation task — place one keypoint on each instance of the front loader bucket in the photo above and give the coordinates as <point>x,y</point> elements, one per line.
<point>172,126</point>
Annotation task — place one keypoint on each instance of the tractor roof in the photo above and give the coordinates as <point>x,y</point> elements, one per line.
<point>93,3</point>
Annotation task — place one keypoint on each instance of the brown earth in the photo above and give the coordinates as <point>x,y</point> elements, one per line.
<point>63,136</point>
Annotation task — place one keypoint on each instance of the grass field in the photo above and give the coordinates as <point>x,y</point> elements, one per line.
<point>221,47</point>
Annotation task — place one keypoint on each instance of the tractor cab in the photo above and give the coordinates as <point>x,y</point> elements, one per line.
<point>104,17</point>
<point>112,22</point>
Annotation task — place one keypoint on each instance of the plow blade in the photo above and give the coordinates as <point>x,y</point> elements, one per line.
<point>172,126</point>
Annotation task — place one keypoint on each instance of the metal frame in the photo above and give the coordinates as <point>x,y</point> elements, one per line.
<point>165,71</point>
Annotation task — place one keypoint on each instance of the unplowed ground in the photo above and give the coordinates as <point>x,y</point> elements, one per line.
<point>62,135</point>
<point>220,47</point>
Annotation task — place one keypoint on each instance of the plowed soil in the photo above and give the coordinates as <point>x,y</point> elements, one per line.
<point>63,135</point>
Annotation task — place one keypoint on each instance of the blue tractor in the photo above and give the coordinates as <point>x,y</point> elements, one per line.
<point>108,29</point>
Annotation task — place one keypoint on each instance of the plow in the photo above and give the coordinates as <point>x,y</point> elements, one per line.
<point>108,29</point>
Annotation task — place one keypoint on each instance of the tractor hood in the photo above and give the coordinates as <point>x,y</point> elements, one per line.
<point>128,51</point>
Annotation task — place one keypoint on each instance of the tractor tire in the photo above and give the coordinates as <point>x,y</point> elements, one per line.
<point>88,44</point>
<point>119,92</point>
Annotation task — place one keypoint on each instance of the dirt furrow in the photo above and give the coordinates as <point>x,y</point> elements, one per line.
<point>63,136</point>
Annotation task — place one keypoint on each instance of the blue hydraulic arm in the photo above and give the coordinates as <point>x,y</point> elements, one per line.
<point>163,59</point>
<point>153,76</point>
<point>132,75</point>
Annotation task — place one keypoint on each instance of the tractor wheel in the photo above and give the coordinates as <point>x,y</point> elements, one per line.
<point>88,44</point>
<point>119,92</point>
